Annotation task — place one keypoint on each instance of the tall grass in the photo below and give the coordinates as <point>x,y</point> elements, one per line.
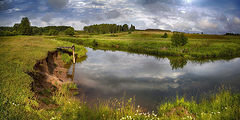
<point>17,101</point>
<point>222,105</point>
<point>18,55</point>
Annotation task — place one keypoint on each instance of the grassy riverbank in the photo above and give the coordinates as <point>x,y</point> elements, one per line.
<point>19,54</point>
<point>151,42</point>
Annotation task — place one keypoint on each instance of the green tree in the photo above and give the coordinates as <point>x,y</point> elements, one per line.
<point>25,27</point>
<point>69,31</point>
<point>178,62</point>
<point>125,27</point>
<point>53,32</point>
<point>178,39</point>
<point>165,35</point>
<point>132,28</point>
<point>107,28</point>
<point>36,30</point>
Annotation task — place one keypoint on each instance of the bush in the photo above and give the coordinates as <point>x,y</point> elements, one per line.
<point>53,32</point>
<point>165,35</point>
<point>69,31</point>
<point>66,58</point>
<point>7,33</point>
<point>178,39</point>
<point>95,43</point>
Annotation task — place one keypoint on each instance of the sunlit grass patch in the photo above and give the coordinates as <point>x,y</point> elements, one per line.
<point>223,105</point>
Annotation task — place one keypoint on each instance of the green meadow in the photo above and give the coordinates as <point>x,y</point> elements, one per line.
<point>19,54</point>
<point>199,46</point>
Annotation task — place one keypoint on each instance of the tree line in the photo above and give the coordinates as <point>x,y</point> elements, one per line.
<point>233,34</point>
<point>108,28</point>
<point>25,28</point>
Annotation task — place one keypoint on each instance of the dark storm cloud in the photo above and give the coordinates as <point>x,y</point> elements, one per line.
<point>5,4</point>
<point>173,2</point>
<point>113,14</point>
<point>158,6</point>
<point>57,4</point>
<point>47,17</point>
<point>218,3</point>
<point>96,3</point>
<point>85,21</point>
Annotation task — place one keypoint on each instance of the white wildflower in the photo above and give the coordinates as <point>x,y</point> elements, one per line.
<point>53,118</point>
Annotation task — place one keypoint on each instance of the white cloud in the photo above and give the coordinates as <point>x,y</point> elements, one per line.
<point>236,20</point>
<point>163,14</point>
<point>207,24</point>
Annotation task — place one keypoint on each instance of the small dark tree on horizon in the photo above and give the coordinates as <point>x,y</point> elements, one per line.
<point>125,27</point>
<point>132,28</point>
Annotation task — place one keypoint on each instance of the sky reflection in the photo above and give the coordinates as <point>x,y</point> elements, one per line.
<point>110,74</point>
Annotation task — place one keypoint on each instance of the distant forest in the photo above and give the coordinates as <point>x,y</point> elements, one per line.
<point>160,30</point>
<point>25,28</point>
<point>233,34</point>
<point>108,28</point>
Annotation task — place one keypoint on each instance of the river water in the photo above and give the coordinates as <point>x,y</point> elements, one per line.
<point>151,80</point>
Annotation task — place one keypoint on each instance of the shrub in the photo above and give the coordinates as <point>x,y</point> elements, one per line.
<point>53,32</point>
<point>25,27</point>
<point>95,43</point>
<point>66,58</point>
<point>69,31</point>
<point>165,35</point>
<point>7,33</point>
<point>178,39</point>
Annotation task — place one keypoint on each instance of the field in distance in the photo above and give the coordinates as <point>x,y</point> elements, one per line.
<point>199,46</point>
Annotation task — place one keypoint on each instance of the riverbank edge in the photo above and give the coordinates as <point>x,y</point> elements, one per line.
<point>50,76</point>
<point>185,53</point>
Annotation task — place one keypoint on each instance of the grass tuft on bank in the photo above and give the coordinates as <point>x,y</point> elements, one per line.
<point>222,105</point>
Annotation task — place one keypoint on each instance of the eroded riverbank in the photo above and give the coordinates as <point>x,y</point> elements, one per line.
<point>49,75</point>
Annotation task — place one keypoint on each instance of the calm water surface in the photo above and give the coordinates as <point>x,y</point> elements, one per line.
<point>108,74</point>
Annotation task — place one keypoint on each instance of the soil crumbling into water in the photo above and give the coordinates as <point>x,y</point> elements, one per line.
<point>49,74</point>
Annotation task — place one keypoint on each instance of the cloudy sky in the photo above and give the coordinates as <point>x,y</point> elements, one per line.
<point>208,16</point>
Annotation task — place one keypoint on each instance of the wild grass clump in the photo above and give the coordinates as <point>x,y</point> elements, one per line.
<point>221,106</point>
<point>178,39</point>
<point>66,58</point>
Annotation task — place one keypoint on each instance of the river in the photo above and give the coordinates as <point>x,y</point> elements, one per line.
<point>151,80</point>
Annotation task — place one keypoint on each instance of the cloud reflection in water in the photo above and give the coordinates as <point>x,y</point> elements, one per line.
<point>110,74</point>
